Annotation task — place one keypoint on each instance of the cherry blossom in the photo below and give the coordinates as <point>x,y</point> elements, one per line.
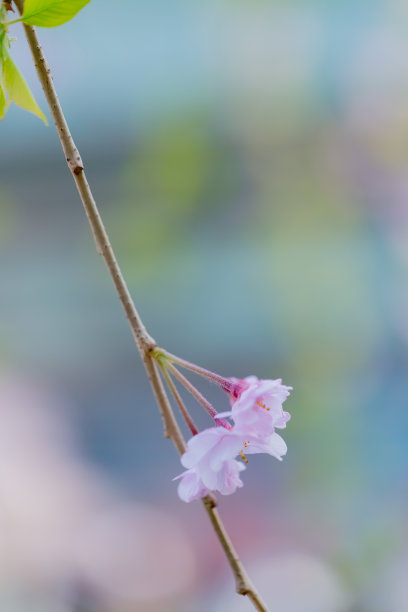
<point>210,459</point>
<point>257,406</point>
<point>273,445</point>
<point>211,454</point>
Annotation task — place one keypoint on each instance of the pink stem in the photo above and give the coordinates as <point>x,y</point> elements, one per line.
<point>179,401</point>
<point>226,384</point>
<point>199,397</point>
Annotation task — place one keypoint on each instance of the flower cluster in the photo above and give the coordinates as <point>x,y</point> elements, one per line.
<point>210,459</point>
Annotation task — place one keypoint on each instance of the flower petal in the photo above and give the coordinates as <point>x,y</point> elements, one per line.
<point>200,444</point>
<point>191,486</point>
<point>226,449</point>
<point>229,480</point>
<point>273,445</point>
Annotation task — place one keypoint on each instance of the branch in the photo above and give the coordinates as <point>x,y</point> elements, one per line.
<point>171,429</point>
<point>74,161</point>
<point>198,396</point>
<point>144,342</point>
<point>179,401</point>
<point>194,392</point>
<point>223,382</point>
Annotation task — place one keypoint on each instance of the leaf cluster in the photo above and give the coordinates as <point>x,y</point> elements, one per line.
<point>44,13</point>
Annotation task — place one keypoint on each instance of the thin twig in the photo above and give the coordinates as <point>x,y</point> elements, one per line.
<point>212,376</point>
<point>186,415</point>
<point>75,164</point>
<point>243,584</point>
<point>171,428</point>
<point>143,340</point>
<point>194,392</point>
<point>199,397</point>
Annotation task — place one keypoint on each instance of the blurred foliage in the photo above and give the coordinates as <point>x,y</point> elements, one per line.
<point>7,216</point>
<point>175,181</point>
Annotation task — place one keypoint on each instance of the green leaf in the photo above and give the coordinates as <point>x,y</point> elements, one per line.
<point>3,102</point>
<point>3,54</point>
<point>51,13</point>
<point>13,87</point>
<point>18,90</point>
<point>3,13</point>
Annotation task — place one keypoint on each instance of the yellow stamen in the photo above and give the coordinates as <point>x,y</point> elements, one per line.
<point>243,457</point>
<point>242,452</point>
<point>262,405</point>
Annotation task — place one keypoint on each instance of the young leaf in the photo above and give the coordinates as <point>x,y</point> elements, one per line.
<point>3,14</point>
<point>18,90</point>
<point>51,13</point>
<point>3,103</point>
<point>3,54</point>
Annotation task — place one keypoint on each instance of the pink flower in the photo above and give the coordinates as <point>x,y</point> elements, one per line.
<point>210,456</point>
<point>257,406</point>
<point>273,445</point>
<point>210,459</point>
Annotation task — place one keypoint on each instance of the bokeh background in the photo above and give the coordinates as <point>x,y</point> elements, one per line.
<point>250,159</point>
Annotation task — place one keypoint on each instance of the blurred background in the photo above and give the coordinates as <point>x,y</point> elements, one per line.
<point>250,160</point>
